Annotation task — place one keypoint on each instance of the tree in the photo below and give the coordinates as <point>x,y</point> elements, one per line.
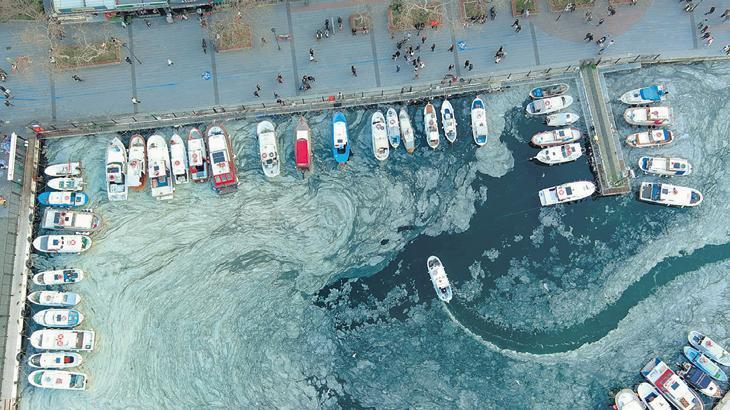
<point>21,10</point>
<point>231,28</point>
<point>407,14</point>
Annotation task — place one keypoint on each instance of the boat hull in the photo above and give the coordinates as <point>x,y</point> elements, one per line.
<point>116,171</point>
<point>222,160</point>
<point>709,348</point>
<point>406,129</point>
<point>137,166</point>
<point>55,360</point>
<point>705,364</point>
<point>379,136</point>
<point>565,193</point>
<point>561,119</point>
<point>66,184</point>
<point>393,128</point>
<point>549,105</point>
<point>179,160</point>
<point>70,169</point>
<point>340,139</point>
<point>268,150</point>
<point>448,121</point>
<point>58,380</point>
<point>58,277</point>
<point>197,157</point>
<point>159,171</point>
<point>430,125</point>
<point>479,127</point>
<point>439,279</point>
<point>560,154</point>
<point>59,318</point>
<point>54,299</point>
<point>553,90</point>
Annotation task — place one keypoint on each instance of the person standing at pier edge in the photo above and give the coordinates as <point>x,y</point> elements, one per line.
<point>354,70</point>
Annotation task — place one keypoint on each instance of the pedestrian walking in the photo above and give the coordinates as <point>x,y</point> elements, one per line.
<point>471,67</point>
<point>451,67</point>
<point>354,70</point>
<point>611,10</point>
<point>76,78</point>
<point>588,37</point>
<point>397,68</point>
<point>276,95</point>
<point>706,35</point>
<point>147,22</point>
<point>258,87</point>
<point>726,49</point>
<point>418,48</point>
<point>712,10</point>
<point>169,62</point>
<point>127,59</point>
<point>8,103</point>
<point>433,47</point>
<point>466,64</point>
<point>311,55</point>
<point>263,41</point>
<point>124,25</point>
<point>256,93</point>
<point>516,23</point>
<point>709,41</point>
<point>518,28</point>
<point>601,21</point>
<point>135,100</point>
<point>280,78</point>
<point>589,16</point>
<point>451,48</point>
<point>423,39</point>
<point>704,29</point>
<point>397,54</point>
<point>725,15</point>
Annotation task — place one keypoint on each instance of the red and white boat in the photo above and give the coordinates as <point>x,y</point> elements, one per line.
<point>303,146</point>
<point>222,163</point>
<point>197,156</point>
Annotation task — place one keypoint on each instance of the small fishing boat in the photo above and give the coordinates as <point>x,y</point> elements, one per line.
<point>448,121</point>
<point>479,121</point>
<point>653,138</point>
<point>340,140</point>
<point>556,137</point>
<point>626,399</point>
<point>60,318</point>
<point>552,90</point>
<point>64,199</point>
<point>648,116</point>
<point>671,386</point>
<point>651,397</point>
<point>406,130</point>
<point>704,363</point>
<point>670,195</point>
<point>439,279</point>
<point>548,105</point>
<point>560,154</point>
<point>709,348</point>
<point>58,277</point>
<point>665,166</point>
<point>58,380</point>
<point>116,170</point>
<point>698,379</point>
<point>197,156</point>
<point>267,149</point>
<point>646,95</point>
<point>430,124</point>
<point>159,171</point>
<point>63,339</point>
<point>222,160</point>
<point>393,128</point>
<point>69,169</point>
<point>137,168</point>
<point>303,146</point>
<point>55,360</point>
<point>561,119</point>
<point>379,136</point>
<point>62,243</point>
<point>52,298</point>
<point>71,221</point>
<point>66,184</point>
<point>568,192</point>
<point>179,160</point>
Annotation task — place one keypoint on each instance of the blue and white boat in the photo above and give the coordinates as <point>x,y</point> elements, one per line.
<point>52,298</point>
<point>340,140</point>
<point>59,318</point>
<point>709,347</point>
<point>646,95</point>
<point>705,364</point>
<point>699,380</point>
<point>58,277</point>
<point>393,127</point>
<point>479,121</point>
<point>64,199</point>
<point>665,166</point>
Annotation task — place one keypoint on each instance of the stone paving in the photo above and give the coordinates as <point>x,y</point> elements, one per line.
<point>658,26</point>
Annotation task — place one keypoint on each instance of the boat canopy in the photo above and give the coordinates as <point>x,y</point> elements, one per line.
<point>302,151</point>
<point>653,93</point>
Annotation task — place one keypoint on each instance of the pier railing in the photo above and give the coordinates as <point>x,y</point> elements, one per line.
<point>485,83</point>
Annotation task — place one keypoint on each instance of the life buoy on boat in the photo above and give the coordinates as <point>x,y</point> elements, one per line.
<point>271,155</point>
<point>72,242</point>
<point>561,191</point>
<point>195,156</point>
<point>67,198</point>
<point>263,156</point>
<point>177,162</point>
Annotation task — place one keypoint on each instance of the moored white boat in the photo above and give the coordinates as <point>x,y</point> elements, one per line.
<point>62,243</point>
<point>70,221</point>
<point>340,139</point>
<point>568,192</point>
<point>651,397</point>
<point>63,339</point>
<point>69,169</point>
<point>59,318</point>
<point>55,360</point>
<point>65,199</point>
<point>645,95</point>
<point>58,277</point>
<point>665,166</point>
<point>303,145</point>
<point>379,136</point>
<point>699,380</point>
<point>116,170</point>
<point>66,183</point>
<point>548,105</point>
<point>548,91</point>
<point>561,119</point>
<point>137,165</point>
<point>479,121</point>
<point>448,121</point>
<point>393,127</point>
<point>653,138</point>
<point>704,363</point>
<point>197,156</point>
<point>439,279</point>
<point>709,347</point>
<point>406,130</point>
<point>58,380</point>
<point>667,194</point>
<point>556,137</point>
<point>430,125</point>
<point>560,154</point>
<point>52,298</point>
<point>222,160</point>
<point>671,386</point>
<point>159,171</point>
<point>179,160</point>
<point>268,150</point>
<point>648,115</point>
<point>626,399</point>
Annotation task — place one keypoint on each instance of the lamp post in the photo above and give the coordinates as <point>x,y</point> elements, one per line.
<point>273,30</point>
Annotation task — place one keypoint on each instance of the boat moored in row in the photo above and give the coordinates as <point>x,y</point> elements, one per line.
<point>561,119</point>
<point>69,220</point>
<point>63,339</point>
<point>406,129</point>
<point>700,380</point>
<point>553,90</point>
<point>55,360</point>
<point>137,165</point>
<point>704,363</point>
<point>66,183</point>
<point>651,397</point>
<point>52,298</point>
<point>430,124</point>
<point>59,318</point>
<point>62,243</point>
<point>568,192</point>
<point>560,154</point>
<point>671,195</point>
<point>448,121</point>
<point>653,138</point>
<point>69,169</point>
<point>58,277</point>
<point>159,172</point>
<point>64,199</point>
<point>393,127</point>
<point>58,380</point>
<point>303,145</point>
<point>549,105</point>
<point>179,160</point>
<point>379,136</point>
<point>709,347</point>
<point>479,127</point>
<point>116,170</point>
<point>626,399</point>
<point>340,139</point>
<point>197,156</point>
<point>268,150</point>
<point>645,95</point>
<point>648,116</point>
<point>552,138</point>
<point>665,166</point>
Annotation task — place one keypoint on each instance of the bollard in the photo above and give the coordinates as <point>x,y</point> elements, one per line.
<point>656,57</point>
<point>548,70</point>
<point>636,59</point>
<point>410,90</point>
<point>509,75</point>
<point>617,61</point>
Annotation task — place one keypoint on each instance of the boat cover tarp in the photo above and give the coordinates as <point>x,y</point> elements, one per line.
<point>652,93</point>
<point>302,153</point>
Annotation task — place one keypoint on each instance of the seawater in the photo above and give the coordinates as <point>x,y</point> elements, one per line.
<point>312,292</point>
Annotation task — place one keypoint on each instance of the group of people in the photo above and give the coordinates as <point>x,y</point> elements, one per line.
<point>704,28</point>
<point>482,18</point>
<point>8,96</point>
